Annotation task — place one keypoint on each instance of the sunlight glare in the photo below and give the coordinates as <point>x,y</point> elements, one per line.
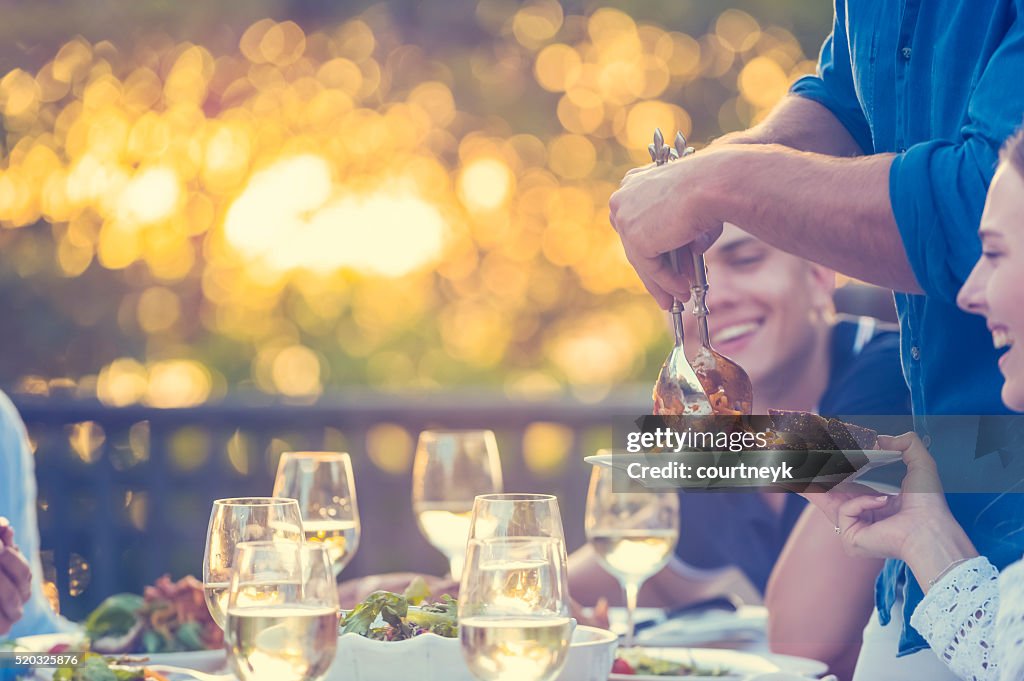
<point>286,218</point>
<point>485,184</point>
<point>150,196</point>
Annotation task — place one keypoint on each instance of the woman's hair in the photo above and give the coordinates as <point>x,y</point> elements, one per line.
<point>1013,151</point>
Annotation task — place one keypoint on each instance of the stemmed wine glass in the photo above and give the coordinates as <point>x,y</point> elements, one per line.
<point>514,621</point>
<point>450,469</point>
<point>323,484</point>
<point>633,534</point>
<point>233,521</point>
<point>282,615</point>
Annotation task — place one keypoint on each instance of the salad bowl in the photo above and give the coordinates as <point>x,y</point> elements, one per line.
<point>429,657</point>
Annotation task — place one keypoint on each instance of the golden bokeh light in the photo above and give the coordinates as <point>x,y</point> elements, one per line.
<point>296,372</point>
<point>122,382</point>
<point>485,184</point>
<point>177,383</point>
<point>159,309</point>
<point>572,156</point>
<point>344,207</point>
<point>546,447</point>
<point>150,196</point>
<point>390,448</point>
<point>558,67</point>
<point>763,82</point>
<point>536,22</point>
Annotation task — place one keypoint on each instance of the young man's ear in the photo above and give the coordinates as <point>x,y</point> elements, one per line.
<point>823,282</point>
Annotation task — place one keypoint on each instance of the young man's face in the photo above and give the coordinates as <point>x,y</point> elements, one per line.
<point>767,307</point>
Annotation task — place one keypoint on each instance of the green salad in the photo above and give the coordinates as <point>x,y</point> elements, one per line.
<point>388,616</point>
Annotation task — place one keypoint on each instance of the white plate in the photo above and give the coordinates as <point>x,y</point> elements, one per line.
<point>432,658</point>
<point>199,660</point>
<point>803,666</point>
<point>742,663</point>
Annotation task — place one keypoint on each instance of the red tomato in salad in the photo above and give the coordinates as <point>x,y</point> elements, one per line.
<point>620,666</point>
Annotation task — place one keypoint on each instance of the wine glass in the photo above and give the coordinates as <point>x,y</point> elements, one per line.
<point>450,469</point>
<point>633,534</point>
<point>323,484</point>
<point>518,515</point>
<point>282,616</point>
<point>514,621</point>
<point>233,521</point>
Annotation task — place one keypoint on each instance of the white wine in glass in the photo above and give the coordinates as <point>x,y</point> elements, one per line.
<point>233,521</point>
<point>323,485</point>
<point>450,469</point>
<point>514,621</point>
<point>634,554</point>
<point>633,534</point>
<point>293,636</point>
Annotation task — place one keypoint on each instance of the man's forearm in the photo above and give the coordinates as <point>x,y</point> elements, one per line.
<point>832,211</point>
<point>802,124</point>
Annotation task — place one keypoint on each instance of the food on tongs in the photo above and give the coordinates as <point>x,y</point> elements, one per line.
<point>721,405</point>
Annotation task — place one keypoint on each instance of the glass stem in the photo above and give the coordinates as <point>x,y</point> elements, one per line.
<point>632,589</point>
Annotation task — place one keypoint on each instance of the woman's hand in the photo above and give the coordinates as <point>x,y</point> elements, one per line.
<point>915,526</point>
<point>15,579</point>
<point>880,526</point>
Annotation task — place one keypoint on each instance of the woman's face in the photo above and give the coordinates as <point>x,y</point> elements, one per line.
<point>995,288</point>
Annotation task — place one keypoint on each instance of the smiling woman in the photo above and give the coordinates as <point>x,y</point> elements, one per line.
<point>291,217</point>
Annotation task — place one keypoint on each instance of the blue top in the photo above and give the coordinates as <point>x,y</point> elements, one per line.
<point>18,505</point>
<point>938,83</point>
<point>721,529</point>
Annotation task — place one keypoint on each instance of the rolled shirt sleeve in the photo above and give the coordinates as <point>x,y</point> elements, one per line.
<point>833,87</point>
<point>938,188</point>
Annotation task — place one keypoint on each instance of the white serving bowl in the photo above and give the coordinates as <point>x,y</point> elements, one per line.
<point>429,657</point>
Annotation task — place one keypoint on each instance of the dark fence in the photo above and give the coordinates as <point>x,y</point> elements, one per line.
<point>125,493</point>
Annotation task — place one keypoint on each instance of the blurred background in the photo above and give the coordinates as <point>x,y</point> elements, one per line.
<point>231,229</point>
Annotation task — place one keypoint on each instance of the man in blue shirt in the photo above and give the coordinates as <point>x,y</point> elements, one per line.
<point>878,167</point>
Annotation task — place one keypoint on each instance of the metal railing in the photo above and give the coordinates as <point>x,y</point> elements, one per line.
<point>125,493</point>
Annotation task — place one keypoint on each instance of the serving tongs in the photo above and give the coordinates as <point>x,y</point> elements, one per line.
<point>725,386</point>
<point>678,391</point>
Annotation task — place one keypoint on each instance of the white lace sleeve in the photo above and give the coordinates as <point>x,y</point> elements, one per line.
<point>957,618</point>
<point>1010,623</point>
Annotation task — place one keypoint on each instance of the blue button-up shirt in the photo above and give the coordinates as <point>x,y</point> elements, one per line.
<point>939,83</point>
